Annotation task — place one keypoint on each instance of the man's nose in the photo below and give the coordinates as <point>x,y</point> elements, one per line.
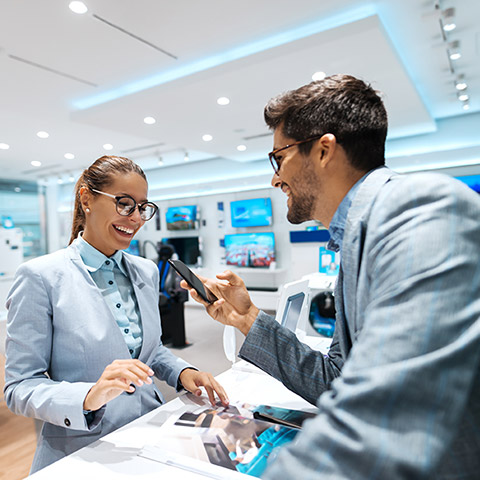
<point>276,182</point>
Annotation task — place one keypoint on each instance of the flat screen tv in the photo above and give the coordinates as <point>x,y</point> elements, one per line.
<point>255,212</point>
<point>250,249</point>
<point>134,248</point>
<point>181,218</point>
<point>473,181</point>
<point>187,248</point>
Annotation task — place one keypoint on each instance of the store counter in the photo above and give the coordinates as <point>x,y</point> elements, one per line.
<point>116,456</point>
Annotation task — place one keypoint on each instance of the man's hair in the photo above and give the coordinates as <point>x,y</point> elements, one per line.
<point>341,105</point>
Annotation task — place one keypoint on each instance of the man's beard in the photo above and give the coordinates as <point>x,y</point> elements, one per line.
<point>302,204</point>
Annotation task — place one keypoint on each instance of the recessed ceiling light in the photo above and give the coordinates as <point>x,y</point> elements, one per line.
<point>35,163</point>
<point>59,180</point>
<point>17,189</point>
<point>42,134</point>
<point>241,148</point>
<point>207,137</point>
<point>78,7</point>
<point>69,156</point>
<point>71,178</point>
<point>318,76</point>
<point>149,120</point>
<point>186,158</point>
<point>108,146</point>
<point>4,146</point>
<point>223,101</point>
<point>463,97</point>
<point>466,106</point>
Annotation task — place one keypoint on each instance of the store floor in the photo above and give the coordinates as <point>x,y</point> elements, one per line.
<point>18,439</point>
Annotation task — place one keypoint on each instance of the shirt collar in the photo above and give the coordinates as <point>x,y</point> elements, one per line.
<point>339,220</point>
<point>94,259</point>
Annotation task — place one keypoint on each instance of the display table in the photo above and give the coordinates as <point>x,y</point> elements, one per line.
<point>115,456</point>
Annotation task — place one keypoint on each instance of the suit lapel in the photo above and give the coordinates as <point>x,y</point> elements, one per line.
<point>353,239</point>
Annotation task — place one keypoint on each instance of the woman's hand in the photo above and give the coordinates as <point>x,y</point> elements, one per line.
<point>234,305</point>
<point>193,379</point>
<point>118,377</point>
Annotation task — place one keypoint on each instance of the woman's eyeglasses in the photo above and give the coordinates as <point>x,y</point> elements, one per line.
<point>126,205</point>
<point>272,155</point>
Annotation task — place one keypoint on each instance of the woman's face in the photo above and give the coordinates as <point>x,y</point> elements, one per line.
<point>105,228</point>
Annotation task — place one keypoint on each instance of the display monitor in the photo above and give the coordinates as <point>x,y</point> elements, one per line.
<point>187,248</point>
<point>473,181</point>
<point>181,218</point>
<point>133,248</point>
<point>255,212</point>
<point>250,249</point>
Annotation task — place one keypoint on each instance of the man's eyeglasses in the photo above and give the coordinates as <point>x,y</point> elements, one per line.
<point>272,155</point>
<point>126,205</point>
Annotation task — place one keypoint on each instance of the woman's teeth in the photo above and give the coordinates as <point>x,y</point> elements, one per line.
<point>126,230</point>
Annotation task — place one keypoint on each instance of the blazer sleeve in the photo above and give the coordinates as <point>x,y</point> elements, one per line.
<point>410,379</point>
<point>277,351</point>
<point>165,364</point>
<point>28,389</point>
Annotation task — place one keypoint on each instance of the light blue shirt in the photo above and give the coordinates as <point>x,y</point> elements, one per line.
<point>111,278</point>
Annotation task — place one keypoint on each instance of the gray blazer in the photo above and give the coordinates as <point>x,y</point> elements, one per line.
<point>402,379</point>
<point>60,337</point>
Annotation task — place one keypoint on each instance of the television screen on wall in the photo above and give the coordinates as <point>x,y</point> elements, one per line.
<point>250,249</point>
<point>255,212</point>
<point>134,247</point>
<point>473,181</point>
<point>187,248</point>
<point>181,218</point>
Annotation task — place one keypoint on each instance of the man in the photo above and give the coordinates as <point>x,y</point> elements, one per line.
<point>399,392</point>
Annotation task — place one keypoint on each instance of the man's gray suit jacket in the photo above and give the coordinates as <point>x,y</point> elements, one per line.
<point>60,337</point>
<point>399,392</point>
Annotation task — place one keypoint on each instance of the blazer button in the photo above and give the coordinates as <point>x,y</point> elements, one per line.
<point>67,422</point>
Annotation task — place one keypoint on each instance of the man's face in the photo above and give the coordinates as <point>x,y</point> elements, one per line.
<point>297,178</point>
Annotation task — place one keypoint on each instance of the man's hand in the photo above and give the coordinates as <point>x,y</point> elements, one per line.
<point>234,306</point>
<point>118,377</point>
<point>192,380</point>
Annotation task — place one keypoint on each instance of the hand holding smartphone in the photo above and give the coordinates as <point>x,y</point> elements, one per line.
<point>193,281</point>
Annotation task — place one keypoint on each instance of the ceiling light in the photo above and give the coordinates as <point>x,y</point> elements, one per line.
<point>318,76</point>
<point>35,163</point>
<point>160,161</point>
<point>186,158</point>
<point>17,189</point>
<point>460,83</point>
<point>466,106</point>
<point>59,180</point>
<point>207,137</point>
<point>149,120</point>
<point>108,146</point>
<point>78,7</point>
<point>42,134</point>
<point>69,156</point>
<point>4,146</point>
<point>454,50</point>
<point>448,19</point>
<point>241,148</point>
<point>462,96</point>
<point>223,101</point>
<point>71,178</point>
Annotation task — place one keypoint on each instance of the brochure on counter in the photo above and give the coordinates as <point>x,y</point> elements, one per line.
<point>225,442</point>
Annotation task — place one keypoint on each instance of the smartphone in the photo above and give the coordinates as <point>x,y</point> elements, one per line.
<point>193,281</point>
<point>282,416</point>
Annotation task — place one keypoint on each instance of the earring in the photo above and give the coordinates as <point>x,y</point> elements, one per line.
<point>87,210</point>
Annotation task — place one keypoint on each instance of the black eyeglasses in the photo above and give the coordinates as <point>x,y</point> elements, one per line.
<point>126,206</point>
<point>272,155</point>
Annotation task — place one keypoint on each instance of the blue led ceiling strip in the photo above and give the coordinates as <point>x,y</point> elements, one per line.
<point>328,23</point>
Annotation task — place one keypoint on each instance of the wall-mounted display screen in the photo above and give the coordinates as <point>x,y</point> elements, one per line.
<point>255,212</point>
<point>250,249</point>
<point>473,181</point>
<point>133,248</point>
<point>181,218</point>
<point>187,248</point>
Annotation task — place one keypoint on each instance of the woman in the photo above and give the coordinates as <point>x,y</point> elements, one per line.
<point>83,331</point>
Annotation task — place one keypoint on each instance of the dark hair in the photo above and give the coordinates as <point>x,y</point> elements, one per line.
<point>98,176</point>
<point>341,105</point>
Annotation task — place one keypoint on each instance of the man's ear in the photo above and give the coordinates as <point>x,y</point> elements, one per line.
<point>327,144</point>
